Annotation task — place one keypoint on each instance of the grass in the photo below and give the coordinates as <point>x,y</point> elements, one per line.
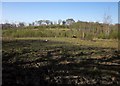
<point>37,33</point>
<point>71,47</point>
<point>56,32</point>
<point>77,41</point>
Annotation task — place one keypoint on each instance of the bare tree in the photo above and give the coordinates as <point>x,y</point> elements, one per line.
<point>107,20</point>
<point>47,22</point>
<point>21,24</point>
<point>59,21</point>
<point>40,22</point>
<point>70,21</point>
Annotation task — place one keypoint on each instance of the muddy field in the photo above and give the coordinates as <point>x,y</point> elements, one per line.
<point>51,63</point>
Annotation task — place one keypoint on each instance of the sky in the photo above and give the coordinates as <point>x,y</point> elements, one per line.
<point>84,11</point>
<point>60,0</point>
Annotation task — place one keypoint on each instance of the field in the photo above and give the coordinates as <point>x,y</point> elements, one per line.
<point>60,44</point>
<point>57,61</point>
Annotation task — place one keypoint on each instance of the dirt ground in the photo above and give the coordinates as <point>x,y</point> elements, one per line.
<point>41,63</point>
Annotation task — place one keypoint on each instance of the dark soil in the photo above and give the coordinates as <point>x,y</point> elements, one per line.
<point>24,65</point>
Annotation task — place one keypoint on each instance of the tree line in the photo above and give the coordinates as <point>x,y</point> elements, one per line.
<point>87,29</point>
